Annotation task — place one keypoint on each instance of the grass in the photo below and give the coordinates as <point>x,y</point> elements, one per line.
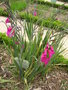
<point>62,60</point>
<point>18,4</point>
<point>41,7</point>
<point>3,13</point>
<point>48,11</point>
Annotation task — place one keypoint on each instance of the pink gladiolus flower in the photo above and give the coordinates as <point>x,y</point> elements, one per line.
<point>22,46</point>
<point>7,20</point>
<point>47,46</point>
<point>16,43</point>
<point>47,54</point>
<point>9,34</point>
<point>35,13</point>
<point>52,50</point>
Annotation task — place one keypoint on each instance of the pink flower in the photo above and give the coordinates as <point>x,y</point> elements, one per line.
<point>47,46</point>
<point>35,13</point>
<point>7,20</point>
<point>9,33</point>
<point>22,46</point>
<point>47,54</point>
<point>16,43</point>
<point>52,50</point>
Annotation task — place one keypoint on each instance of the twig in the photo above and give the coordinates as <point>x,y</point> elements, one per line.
<point>61,65</point>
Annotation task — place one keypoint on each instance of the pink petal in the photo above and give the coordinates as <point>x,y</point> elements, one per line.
<point>35,13</point>
<point>7,20</point>
<point>47,46</point>
<point>47,61</point>
<point>52,50</point>
<point>16,43</point>
<point>43,57</point>
<point>22,46</point>
<point>48,51</point>
<point>9,34</point>
<point>9,28</point>
<point>45,51</point>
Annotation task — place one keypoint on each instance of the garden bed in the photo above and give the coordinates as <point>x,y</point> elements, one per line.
<point>57,79</point>
<point>51,17</point>
<point>38,63</point>
<point>47,11</point>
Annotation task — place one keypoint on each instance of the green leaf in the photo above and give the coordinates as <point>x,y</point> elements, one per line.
<point>5,81</point>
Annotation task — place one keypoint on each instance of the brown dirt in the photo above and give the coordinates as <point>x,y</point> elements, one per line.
<point>55,80</point>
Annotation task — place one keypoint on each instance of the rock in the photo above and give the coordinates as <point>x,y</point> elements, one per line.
<point>37,89</point>
<point>47,77</point>
<point>5,55</point>
<point>1,58</point>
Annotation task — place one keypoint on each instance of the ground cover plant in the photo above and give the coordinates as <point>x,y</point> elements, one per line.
<point>18,4</point>
<point>32,53</point>
<point>54,4</point>
<point>49,12</point>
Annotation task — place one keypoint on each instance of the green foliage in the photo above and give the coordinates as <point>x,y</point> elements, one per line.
<point>60,59</point>
<point>18,4</point>
<point>6,39</point>
<point>52,4</point>
<point>49,22</point>
<point>44,7</point>
<point>3,13</point>
<point>5,81</point>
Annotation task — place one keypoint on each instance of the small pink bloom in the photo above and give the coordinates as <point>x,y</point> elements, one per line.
<point>44,58</point>
<point>22,46</point>
<point>52,50</point>
<point>7,20</point>
<point>9,34</point>
<point>47,54</point>
<point>35,13</point>
<point>47,46</point>
<point>56,18</point>
<point>16,43</point>
<point>9,15</point>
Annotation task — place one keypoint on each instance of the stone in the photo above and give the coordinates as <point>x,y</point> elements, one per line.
<point>1,58</point>
<point>37,89</point>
